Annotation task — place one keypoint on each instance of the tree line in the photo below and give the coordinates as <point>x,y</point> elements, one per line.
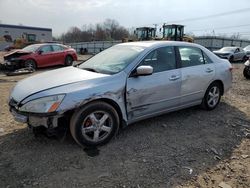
<point>108,30</point>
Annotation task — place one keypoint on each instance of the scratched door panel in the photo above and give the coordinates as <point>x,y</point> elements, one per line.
<point>147,95</point>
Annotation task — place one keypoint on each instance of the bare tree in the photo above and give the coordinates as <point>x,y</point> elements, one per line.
<point>108,30</point>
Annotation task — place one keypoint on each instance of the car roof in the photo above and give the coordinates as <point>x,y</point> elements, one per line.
<point>150,44</point>
<point>42,44</point>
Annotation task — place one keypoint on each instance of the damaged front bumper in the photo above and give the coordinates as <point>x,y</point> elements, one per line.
<point>48,121</point>
<point>10,65</point>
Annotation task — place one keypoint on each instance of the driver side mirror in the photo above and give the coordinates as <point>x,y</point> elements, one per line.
<point>40,52</point>
<point>143,71</point>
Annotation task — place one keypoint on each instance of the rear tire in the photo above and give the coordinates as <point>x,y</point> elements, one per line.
<point>212,96</point>
<point>95,124</point>
<point>30,64</point>
<point>246,72</point>
<point>68,60</point>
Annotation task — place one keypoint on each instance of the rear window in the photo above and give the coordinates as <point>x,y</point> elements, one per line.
<point>192,56</point>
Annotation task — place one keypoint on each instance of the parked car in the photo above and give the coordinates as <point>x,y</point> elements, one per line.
<point>247,50</point>
<point>246,70</point>
<point>40,55</point>
<point>232,54</point>
<point>119,86</point>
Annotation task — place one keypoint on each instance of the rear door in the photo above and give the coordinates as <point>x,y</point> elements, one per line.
<point>197,72</point>
<point>237,54</point>
<point>152,94</point>
<point>58,54</point>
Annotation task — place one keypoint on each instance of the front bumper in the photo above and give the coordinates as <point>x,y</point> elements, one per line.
<point>11,64</point>
<point>19,117</point>
<point>36,120</point>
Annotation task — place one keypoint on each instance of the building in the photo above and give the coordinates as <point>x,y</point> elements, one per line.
<point>10,33</point>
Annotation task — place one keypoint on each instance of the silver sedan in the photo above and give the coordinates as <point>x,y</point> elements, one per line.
<point>121,85</point>
<point>232,53</point>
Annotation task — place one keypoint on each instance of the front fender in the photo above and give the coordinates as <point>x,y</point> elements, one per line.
<point>117,98</point>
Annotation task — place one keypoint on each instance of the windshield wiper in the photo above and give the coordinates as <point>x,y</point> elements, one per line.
<point>90,69</point>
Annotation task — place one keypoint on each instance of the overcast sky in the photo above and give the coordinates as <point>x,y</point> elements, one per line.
<point>60,15</point>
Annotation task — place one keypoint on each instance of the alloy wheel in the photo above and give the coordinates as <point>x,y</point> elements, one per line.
<point>97,126</point>
<point>213,96</point>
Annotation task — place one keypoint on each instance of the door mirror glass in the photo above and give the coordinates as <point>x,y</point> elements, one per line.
<point>144,70</point>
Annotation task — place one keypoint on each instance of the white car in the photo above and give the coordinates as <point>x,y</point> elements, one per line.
<point>232,53</point>
<point>247,50</point>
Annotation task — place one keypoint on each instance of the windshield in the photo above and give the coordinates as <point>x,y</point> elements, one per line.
<point>247,47</point>
<point>228,49</point>
<point>31,48</point>
<point>112,60</point>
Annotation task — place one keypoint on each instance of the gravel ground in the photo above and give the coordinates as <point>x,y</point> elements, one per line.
<point>188,148</point>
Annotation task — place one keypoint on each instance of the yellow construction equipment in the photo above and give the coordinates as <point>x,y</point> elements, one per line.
<point>172,32</point>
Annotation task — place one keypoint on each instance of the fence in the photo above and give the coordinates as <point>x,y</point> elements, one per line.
<point>93,47</point>
<point>212,43</point>
<point>215,43</point>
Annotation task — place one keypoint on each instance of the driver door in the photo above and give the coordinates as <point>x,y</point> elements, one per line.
<point>159,92</point>
<point>46,56</point>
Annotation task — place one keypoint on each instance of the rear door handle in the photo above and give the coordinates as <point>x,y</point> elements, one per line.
<point>174,77</point>
<point>208,70</point>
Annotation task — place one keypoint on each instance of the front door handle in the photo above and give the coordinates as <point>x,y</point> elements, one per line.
<point>174,77</point>
<point>208,70</point>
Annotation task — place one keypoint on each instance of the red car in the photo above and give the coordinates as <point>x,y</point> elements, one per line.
<point>40,55</point>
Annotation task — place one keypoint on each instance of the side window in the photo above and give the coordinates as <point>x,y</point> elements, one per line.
<point>191,56</point>
<point>57,48</point>
<point>47,49</point>
<point>161,59</point>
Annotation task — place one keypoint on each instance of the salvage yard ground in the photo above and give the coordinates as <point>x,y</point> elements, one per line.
<point>188,148</point>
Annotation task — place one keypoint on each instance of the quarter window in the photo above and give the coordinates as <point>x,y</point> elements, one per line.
<point>207,60</point>
<point>161,59</point>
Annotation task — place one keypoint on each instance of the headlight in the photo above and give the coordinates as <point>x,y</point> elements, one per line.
<point>15,59</point>
<point>43,105</point>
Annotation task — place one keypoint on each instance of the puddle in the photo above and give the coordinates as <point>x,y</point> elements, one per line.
<point>92,151</point>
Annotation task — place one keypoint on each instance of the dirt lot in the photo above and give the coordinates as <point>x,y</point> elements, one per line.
<point>188,148</point>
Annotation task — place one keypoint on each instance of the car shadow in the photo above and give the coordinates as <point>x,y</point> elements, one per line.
<point>164,151</point>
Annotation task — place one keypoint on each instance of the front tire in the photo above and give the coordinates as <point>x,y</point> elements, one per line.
<point>30,64</point>
<point>246,72</point>
<point>95,124</point>
<point>212,96</point>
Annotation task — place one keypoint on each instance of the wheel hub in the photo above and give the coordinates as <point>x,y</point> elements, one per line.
<point>214,95</point>
<point>97,126</point>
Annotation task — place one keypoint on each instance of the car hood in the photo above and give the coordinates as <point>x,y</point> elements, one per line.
<point>51,79</point>
<point>16,54</point>
<point>221,53</point>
